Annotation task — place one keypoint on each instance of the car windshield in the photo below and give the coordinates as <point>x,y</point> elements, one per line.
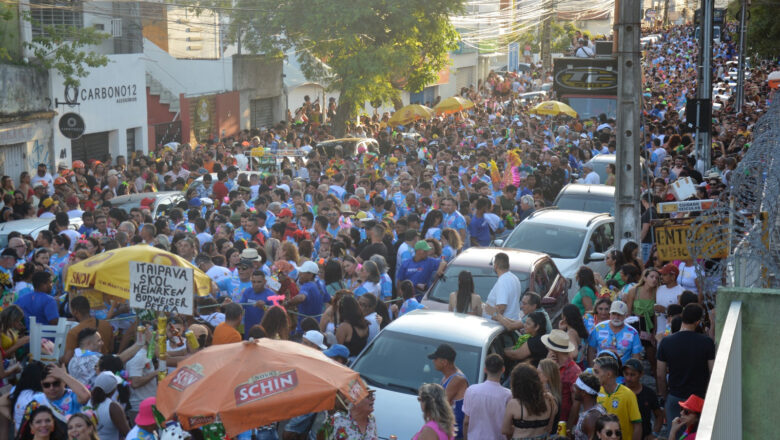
<point>484,279</point>
<point>555,241</point>
<point>127,206</point>
<point>583,202</point>
<point>600,167</point>
<point>381,366</point>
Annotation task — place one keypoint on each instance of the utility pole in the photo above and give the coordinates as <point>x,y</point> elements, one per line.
<point>704,92</point>
<point>546,46</point>
<point>740,99</point>
<point>629,107</point>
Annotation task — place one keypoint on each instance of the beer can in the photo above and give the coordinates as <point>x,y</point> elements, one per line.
<point>561,428</point>
<point>161,345</point>
<point>162,323</point>
<point>161,375</point>
<point>191,339</point>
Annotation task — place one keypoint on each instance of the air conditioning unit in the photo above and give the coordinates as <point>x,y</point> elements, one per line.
<point>194,38</point>
<point>116,27</point>
<point>195,47</point>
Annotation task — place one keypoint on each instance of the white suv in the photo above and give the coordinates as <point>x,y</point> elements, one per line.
<point>572,238</point>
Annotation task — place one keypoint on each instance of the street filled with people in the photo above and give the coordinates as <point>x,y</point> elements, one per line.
<point>324,244</point>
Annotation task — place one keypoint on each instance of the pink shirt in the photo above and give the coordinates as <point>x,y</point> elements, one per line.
<point>435,426</point>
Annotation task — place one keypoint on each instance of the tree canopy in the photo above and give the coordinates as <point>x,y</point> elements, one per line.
<point>763,28</point>
<point>372,47</point>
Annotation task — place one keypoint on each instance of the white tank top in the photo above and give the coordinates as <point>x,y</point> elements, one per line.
<point>105,426</point>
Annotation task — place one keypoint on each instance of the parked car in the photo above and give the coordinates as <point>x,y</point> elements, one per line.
<point>396,362</point>
<point>349,146</point>
<point>536,272</point>
<point>599,164</point>
<point>163,201</point>
<point>571,238</point>
<point>31,227</point>
<point>588,198</point>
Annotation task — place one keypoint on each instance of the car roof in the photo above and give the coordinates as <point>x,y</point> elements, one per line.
<point>581,188</point>
<point>457,328</point>
<point>25,225</point>
<point>354,139</point>
<point>519,260</point>
<point>128,198</point>
<point>608,158</point>
<point>564,217</point>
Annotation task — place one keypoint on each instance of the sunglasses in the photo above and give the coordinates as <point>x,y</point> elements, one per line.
<point>51,384</point>
<point>610,433</point>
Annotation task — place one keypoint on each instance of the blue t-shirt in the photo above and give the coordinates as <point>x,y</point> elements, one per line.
<point>233,287</point>
<point>315,300</point>
<point>625,343</point>
<point>253,315</point>
<point>480,230</point>
<point>41,305</point>
<point>418,272</point>
<point>387,285</point>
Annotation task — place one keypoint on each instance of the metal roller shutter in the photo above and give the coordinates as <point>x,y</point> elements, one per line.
<point>12,161</point>
<point>262,112</point>
<point>90,146</point>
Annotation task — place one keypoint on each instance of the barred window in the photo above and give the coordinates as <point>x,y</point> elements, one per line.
<point>55,12</point>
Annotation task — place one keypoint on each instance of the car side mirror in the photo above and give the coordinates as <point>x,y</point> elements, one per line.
<point>549,302</point>
<point>597,256</point>
<point>498,242</point>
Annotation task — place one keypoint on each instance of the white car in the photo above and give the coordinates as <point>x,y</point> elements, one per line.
<point>31,227</point>
<point>571,238</point>
<point>396,362</point>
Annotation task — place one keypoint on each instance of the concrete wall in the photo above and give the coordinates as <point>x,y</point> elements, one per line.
<point>23,90</point>
<point>258,77</point>
<point>192,36</point>
<point>192,77</point>
<point>760,352</point>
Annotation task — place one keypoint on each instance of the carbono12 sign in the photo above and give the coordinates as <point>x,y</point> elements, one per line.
<point>587,78</point>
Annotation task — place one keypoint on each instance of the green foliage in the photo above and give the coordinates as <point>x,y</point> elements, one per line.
<point>373,48</point>
<point>63,48</point>
<point>7,17</point>
<point>763,28</point>
<point>560,37</point>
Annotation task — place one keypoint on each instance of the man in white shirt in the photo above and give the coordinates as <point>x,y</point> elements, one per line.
<point>591,177</point>
<point>668,293</point>
<point>216,273</point>
<point>74,210</point>
<point>44,176</point>
<point>504,297</point>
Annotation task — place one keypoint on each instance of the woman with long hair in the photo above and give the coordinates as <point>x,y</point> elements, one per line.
<point>641,302</point>
<point>572,323</point>
<point>40,424</point>
<point>550,375</point>
<point>349,266</point>
<point>331,317</point>
<point>631,254</point>
<point>432,225</point>
<point>352,331</point>
<point>608,428</point>
<point>82,427</point>
<point>333,277</point>
<point>27,390</point>
<point>451,243</point>
<point>464,300</point>
<point>11,323</point>
<point>530,414</point>
<point>615,261</point>
<point>289,252</point>
<point>630,274</point>
<point>532,349</point>
<point>586,296</point>
<point>276,324</point>
<point>437,413</point>
<point>112,423</point>
<point>369,276</point>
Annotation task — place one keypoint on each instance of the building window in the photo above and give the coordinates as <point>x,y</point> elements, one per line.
<point>55,13</point>
<point>130,141</point>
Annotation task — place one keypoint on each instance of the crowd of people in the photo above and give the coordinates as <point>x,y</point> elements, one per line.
<point>337,244</point>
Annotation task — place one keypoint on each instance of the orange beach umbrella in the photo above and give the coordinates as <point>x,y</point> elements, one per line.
<point>254,383</point>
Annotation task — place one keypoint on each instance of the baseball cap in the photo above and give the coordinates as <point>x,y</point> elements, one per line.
<point>444,351</point>
<point>619,307</point>
<point>106,382</point>
<point>337,350</point>
<point>48,201</point>
<point>309,267</point>
<point>195,202</point>
<point>315,338</point>
<point>422,245</point>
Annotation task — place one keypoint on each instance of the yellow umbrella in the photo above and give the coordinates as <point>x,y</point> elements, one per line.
<point>410,113</point>
<point>452,104</point>
<point>109,272</point>
<point>553,108</point>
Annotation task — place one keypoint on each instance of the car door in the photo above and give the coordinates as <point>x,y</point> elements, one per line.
<point>502,341</point>
<point>601,241</point>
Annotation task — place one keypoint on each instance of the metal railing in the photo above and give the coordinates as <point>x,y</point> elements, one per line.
<point>722,415</point>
